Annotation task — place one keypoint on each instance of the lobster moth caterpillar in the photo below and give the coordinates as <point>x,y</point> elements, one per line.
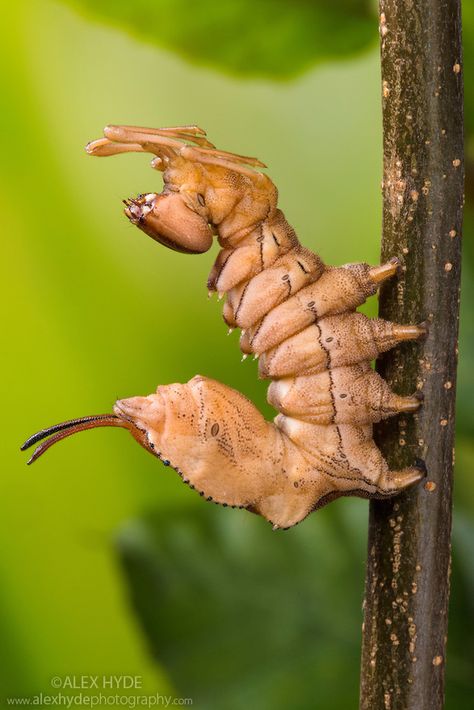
<point>296,314</point>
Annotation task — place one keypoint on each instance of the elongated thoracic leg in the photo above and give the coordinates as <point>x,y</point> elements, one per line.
<point>163,140</point>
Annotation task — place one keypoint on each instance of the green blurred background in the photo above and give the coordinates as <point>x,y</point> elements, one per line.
<point>109,564</point>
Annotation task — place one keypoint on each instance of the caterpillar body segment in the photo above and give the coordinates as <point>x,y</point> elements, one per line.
<point>296,314</point>
<point>344,395</point>
<point>336,341</point>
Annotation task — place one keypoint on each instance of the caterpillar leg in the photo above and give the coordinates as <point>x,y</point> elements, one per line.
<point>193,134</point>
<point>162,141</point>
<point>391,482</point>
<point>221,159</point>
<point>173,137</point>
<point>103,148</point>
<point>165,143</point>
<point>205,152</point>
<point>381,273</point>
<point>408,332</point>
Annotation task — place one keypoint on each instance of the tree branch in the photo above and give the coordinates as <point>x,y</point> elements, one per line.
<point>407,584</point>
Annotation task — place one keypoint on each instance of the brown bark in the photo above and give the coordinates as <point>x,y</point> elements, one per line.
<point>407,585</point>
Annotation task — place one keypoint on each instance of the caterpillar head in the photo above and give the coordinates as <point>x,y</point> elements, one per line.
<point>170,219</point>
<point>206,191</point>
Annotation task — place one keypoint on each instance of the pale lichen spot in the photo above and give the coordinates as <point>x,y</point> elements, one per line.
<point>443,422</point>
<point>457,68</point>
<point>448,266</point>
<point>437,660</point>
<point>447,385</point>
<point>456,162</point>
<point>452,233</point>
<point>430,486</point>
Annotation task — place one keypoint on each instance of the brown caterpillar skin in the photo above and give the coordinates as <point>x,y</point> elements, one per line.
<point>296,314</point>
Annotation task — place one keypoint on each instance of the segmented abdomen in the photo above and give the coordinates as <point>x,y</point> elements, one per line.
<point>298,316</point>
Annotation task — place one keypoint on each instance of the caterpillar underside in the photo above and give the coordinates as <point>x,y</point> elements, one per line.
<point>297,315</point>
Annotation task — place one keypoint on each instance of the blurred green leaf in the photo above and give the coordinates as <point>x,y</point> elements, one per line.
<point>241,616</point>
<point>468,61</point>
<point>271,38</point>
<point>465,392</point>
<point>460,653</point>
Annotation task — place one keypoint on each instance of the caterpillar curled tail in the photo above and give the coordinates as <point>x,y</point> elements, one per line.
<point>297,315</point>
